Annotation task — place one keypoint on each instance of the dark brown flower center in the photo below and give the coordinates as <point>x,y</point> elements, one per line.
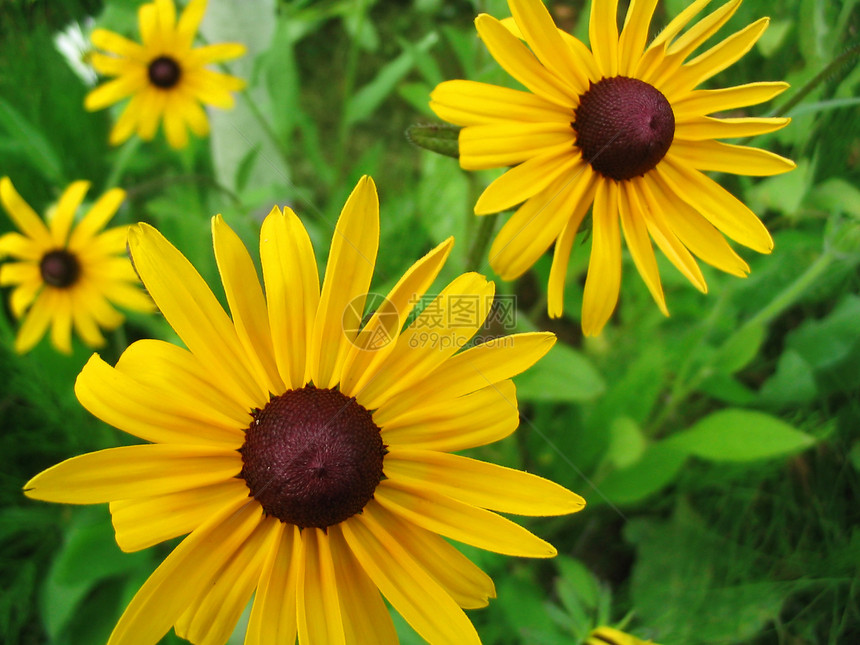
<point>312,457</point>
<point>60,268</point>
<point>164,72</point>
<point>624,127</point>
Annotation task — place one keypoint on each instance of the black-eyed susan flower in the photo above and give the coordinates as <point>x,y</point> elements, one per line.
<point>67,275</point>
<point>303,464</point>
<point>165,76</point>
<point>621,127</point>
<point>611,636</point>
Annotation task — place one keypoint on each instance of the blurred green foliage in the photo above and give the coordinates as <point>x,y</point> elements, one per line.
<point>718,449</point>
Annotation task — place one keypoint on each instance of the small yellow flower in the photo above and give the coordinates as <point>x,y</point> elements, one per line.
<point>165,76</point>
<point>612,636</point>
<point>305,465</point>
<point>621,127</point>
<point>67,275</point>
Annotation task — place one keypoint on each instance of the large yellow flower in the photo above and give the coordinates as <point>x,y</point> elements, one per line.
<point>67,275</point>
<point>622,127</point>
<point>164,75</point>
<point>306,461</point>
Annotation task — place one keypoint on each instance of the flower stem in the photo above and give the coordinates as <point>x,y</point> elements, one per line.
<point>478,250</point>
<point>123,156</point>
<point>816,80</point>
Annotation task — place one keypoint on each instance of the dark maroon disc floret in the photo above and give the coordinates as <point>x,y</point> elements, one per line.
<point>59,268</point>
<point>164,72</point>
<point>624,127</point>
<point>312,457</point>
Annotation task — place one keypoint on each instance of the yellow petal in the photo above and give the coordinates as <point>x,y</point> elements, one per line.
<point>479,483</point>
<point>166,12</point>
<point>444,326</point>
<point>215,53</point>
<point>477,419</point>
<point>273,615</point>
<point>22,297</point>
<point>143,522</point>
<point>520,63</point>
<point>174,127</point>
<point>604,267</point>
<point>153,413</point>
<point>347,280</point>
<point>20,273</point>
<point>61,322</point>
<point>411,591</point>
<point>542,35</point>
<point>701,102</point>
<point>292,291</point>
<point>702,30</point>
<point>634,35</point>
<point>193,311</point>
<point>36,322</point>
<point>25,218</point>
<point>64,214</point>
<point>365,616</point>
<point>701,128</point>
<point>603,36</point>
<point>476,368</point>
<point>20,247</point>
<point>100,213</point>
<point>636,234</point>
<point>378,337</point>
<point>537,224</point>
<point>459,521</point>
<point>133,471</point>
<point>212,618</point>
<point>508,143</point>
<point>127,123</point>
<point>186,573</point>
<point>319,618</point>
<point>725,157</point>
<point>189,21</point>
<point>472,103</point>
<point>719,207</point>
<point>529,178</point>
<point>113,91</point>
<point>247,303</point>
<point>112,42</point>
<point>694,231</point>
<point>677,24</point>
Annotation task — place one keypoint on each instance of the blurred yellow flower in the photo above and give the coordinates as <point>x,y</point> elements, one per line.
<point>67,275</point>
<point>622,127</point>
<point>303,463</point>
<point>164,75</point>
<point>612,636</point>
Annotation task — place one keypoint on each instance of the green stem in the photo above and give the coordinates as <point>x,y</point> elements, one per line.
<point>815,81</point>
<point>123,156</point>
<point>478,250</point>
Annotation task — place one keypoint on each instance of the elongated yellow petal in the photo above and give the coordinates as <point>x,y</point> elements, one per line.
<point>700,102</point>
<point>476,419</point>
<point>112,42</point>
<point>273,616</point>
<point>411,591</point>
<point>378,337</point>
<point>100,213</point>
<point>603,36</point>
<point>634,35</point>
<point>20,247</point>
<point>445,325</point>
<point>22,297</point>
<point>189,21</point>
<point>61,322</point>
<point>668,33</point>
<point>459,521</point>
<point>719,207</point>
<point>319,618</point>
<point>20,273</point>
<point>725,157</point>
<point>193,311</point>
<point>215,53</point>
<point>365,616</point>
<point>636,234</point>
<point>36,322</point>
<point>508,143</point>
<point>479,483</point>
<point>476,368</point>
<point>292,291</point>
<point>529,178</point>
<point>133,471</point>
<point>604,268</point>
<point>185,574</point>
<point>472,103</point>
<point>25,218</point>
<point>347,281</point>
<point>247,303</point>
<point>64,214</point>
<point>115,90</point>
<point>520,63</point>
<point>142,522</point>
<point>702,30</point>
<point>703,128</point>
<point>543,38</point>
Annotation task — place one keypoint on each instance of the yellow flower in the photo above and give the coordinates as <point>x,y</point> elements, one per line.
<point>67,275</point>
<point>303,463</point>
<point>612,636</point>
<point>165,77</point>
<point>621,127</point>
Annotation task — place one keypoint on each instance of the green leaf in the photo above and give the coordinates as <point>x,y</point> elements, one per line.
<point>626,442</point>
<point>33,143</point>
<point>737,352</point>
<point>436,137</point>
<point>564,374</point>
<point>658,467</point>
<point>792,384</point>
<point>740,435</point>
